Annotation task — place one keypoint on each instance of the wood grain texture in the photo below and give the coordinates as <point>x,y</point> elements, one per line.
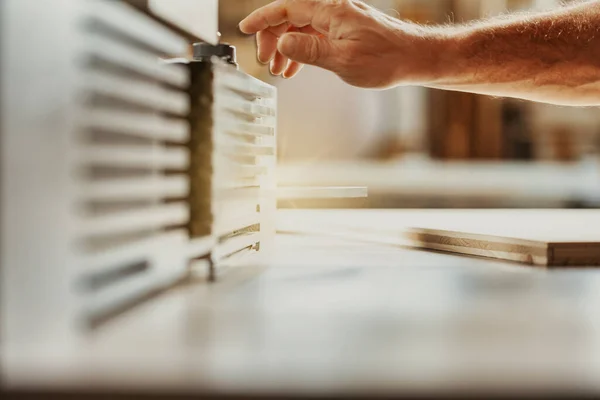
<point>551,238</point>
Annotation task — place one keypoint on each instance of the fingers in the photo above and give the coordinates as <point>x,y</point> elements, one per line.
<point>307,49</point>
<point>274,20</point>
<point>278,64</point>
<point>296,12</point>
<point>266,43</point>
<point>292,69</point>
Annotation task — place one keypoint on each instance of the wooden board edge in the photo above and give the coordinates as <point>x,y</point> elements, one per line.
<point>502,248</point>
<point>575,255</point>
<point>486,237</point>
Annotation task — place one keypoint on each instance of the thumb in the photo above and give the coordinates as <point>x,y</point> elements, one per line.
<point>307,49</point>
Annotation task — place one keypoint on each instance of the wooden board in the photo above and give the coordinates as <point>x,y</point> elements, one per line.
<point>296,193</point>
<point>550,238</point>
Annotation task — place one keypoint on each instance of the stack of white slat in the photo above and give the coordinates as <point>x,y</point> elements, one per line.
<point>93,181</point>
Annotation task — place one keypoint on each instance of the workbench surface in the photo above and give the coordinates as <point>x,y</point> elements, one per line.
<point>331,316</point>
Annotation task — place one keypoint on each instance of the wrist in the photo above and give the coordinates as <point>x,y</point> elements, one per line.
<point>432,55</point>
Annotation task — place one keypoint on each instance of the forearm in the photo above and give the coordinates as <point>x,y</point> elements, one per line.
<point>552,57</point>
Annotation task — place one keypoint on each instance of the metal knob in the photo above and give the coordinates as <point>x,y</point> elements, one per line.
<point>204,52</point>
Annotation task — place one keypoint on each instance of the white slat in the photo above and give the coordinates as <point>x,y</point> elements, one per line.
<point>321,192</point>
<point>228,146</point>
<point>228,182</point>
<point>227,124</point>
<point>135,220</point>
<point>138,92</point>
<point>130,22</point>
<point>133,156</point>
<point>225,225</point>
<point>238,173</point>
<point>229,78</point>
<point>231,210</point>
<point>146,125</point>
<point>235,244</point>
<point>135,189</point>
<point>129,253</point>
<point>249,193</point>
<point>131,288</point>
<point>136,59</point>
<point>199,247</point>
<point>241,106</point>
<point>227,166</point>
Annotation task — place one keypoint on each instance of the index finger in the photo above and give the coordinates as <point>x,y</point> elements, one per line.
<point>298,13</point>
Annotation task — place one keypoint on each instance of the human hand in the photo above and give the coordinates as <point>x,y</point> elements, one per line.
<point>362,45</point>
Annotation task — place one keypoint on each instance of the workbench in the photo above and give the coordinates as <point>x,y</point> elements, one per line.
<point>328,316</point>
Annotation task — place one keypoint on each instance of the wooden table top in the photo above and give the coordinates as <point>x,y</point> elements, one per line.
<point>330,316</point>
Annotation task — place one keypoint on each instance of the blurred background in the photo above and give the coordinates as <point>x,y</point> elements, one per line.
<point>426,148</point>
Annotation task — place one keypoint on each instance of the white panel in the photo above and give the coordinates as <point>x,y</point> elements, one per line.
<point>129,253</point>
<point>44,120</point>
<point>237,105</point>
<point>230,146</point>
<point>235,244</point>
<point>136,59</point>
<point>166,266</point>
<point>199,17</point>
<point>128,21</point>
<point>147,125</point>
<point>246,85</point>
<point>134,157</point>
<point>138,92</point>
<point>38,74</point>
<point>229,169</point>
<point>227,124</point>
<point>225,225</point>
<point>231,209</point>
<point>134,188</point>
<point>199,247</point>
<point>131,221</point>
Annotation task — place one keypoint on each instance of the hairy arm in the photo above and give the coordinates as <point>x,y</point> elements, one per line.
<point>551,57</point>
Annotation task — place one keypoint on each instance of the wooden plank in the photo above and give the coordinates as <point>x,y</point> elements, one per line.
<point>550,238</point>
<point>321,192</point>
<point>528,252</point>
